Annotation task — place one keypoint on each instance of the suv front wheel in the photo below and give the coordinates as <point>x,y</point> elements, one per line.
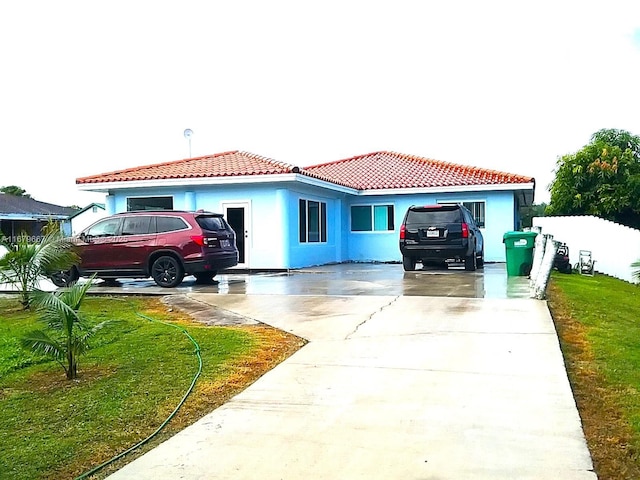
<point>167,271</point>
<point>64,278</point>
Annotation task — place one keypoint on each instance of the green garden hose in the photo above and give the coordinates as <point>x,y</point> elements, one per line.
<point>184,398</point>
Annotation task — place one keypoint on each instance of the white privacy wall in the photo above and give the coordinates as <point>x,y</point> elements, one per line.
<point>613,246</point>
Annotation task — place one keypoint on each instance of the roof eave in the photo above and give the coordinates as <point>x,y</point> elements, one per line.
<point>449,189</point>
<point>105,187</point>
<point>33,216</point>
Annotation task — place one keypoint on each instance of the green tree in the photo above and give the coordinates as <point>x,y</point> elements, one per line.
<point>15,190</point>
<point>535,210</point>
<point>27,260</point>
<point>68,336</point>
<point>602,179</point>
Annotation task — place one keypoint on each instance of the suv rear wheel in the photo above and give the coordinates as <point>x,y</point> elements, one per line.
<point>408,263</point>
<point>480,259</point>
<point>204,277</point>
<point>470,264</point>
<point>167,271</point>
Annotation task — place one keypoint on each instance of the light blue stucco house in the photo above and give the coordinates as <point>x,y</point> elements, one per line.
<point>344,211</point>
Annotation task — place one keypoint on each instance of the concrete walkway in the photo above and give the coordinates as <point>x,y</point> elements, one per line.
<point>390,387</point>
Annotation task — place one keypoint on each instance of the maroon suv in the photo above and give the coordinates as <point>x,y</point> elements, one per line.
<point>165,245</point>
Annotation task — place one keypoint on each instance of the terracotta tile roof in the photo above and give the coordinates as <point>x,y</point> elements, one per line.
<point>385,170</point>
<point>373,171</point>
<point>227,164</point>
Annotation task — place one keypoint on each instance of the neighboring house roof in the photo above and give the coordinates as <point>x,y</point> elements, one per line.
<point>13,206</point>
<point>373,171</point>
<point>88,207</point>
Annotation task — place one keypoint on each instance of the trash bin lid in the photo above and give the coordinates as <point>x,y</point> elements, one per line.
<point>516,235</point>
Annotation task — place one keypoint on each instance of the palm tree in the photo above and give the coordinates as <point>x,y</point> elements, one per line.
<point>69,336</point>
<point>26,262</point>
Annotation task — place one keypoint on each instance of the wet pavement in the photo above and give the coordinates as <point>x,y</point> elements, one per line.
<point>345,279</point>
<point>402,378</point>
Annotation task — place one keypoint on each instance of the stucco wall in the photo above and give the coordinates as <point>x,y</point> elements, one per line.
<point>273,224</point>
<point>383,246</point>
<point>85,219</point>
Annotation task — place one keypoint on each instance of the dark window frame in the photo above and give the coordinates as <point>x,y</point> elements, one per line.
<point>137,204</point>
<point>371,223</point>
<point>312,211</point>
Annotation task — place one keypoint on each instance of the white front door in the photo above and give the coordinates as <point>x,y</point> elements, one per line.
<point>238,215</point>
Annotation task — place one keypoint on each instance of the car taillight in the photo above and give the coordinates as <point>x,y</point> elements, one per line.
<point>199,240</point>
<point>465,230</point>
<point>403,231</point>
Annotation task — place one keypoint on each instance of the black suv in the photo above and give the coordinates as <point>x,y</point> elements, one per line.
<point>165,245</point>
<point>443,234</point>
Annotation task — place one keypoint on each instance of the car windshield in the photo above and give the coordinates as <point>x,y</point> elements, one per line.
<point>211,223</point>
<point>434,216</point>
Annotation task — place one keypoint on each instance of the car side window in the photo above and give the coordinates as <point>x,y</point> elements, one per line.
<point>106,228</point>
<point>136,225</point>
<point>469,219</point>
<point>170,224</point>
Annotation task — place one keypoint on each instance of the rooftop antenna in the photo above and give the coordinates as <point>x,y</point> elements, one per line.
<point>188,133</point>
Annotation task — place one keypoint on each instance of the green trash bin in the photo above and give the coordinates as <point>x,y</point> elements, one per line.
<point>519,251</point>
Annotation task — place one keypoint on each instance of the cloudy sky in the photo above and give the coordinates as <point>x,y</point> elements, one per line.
<point>89,87</point>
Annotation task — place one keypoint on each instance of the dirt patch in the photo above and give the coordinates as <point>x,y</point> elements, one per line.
<point>608,435</point>
<point>56,379</point>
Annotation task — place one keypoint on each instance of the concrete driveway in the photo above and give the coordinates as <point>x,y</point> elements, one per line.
<point>393,384</point>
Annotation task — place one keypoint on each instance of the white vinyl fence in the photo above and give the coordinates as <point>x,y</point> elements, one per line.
<point>613,246</point>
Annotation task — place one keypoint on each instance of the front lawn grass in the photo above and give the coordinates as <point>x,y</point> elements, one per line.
<point>130,381</point>
<point>598,322</point>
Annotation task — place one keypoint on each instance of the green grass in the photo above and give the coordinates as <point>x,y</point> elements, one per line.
<point>130,381</point>
<point>609,309</point>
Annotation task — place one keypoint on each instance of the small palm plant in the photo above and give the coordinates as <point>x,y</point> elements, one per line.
<point>26,261</point>
<point>636,272</point>
<point>69,335</point>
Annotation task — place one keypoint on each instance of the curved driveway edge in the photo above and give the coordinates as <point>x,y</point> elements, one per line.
<point>391,387</point>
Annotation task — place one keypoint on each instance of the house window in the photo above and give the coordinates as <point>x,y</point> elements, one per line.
<point>477,210</point>
<point>372,218</point>
<point>149,203</point>
<point>313,221</point>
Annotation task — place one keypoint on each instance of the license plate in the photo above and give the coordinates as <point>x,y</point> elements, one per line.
<point>433,233</point>
<point>225,243</point>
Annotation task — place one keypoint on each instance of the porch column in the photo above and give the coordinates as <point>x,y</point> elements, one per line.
<point>110,204</point>
<point>190,201</point>
<point>282,207</point>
